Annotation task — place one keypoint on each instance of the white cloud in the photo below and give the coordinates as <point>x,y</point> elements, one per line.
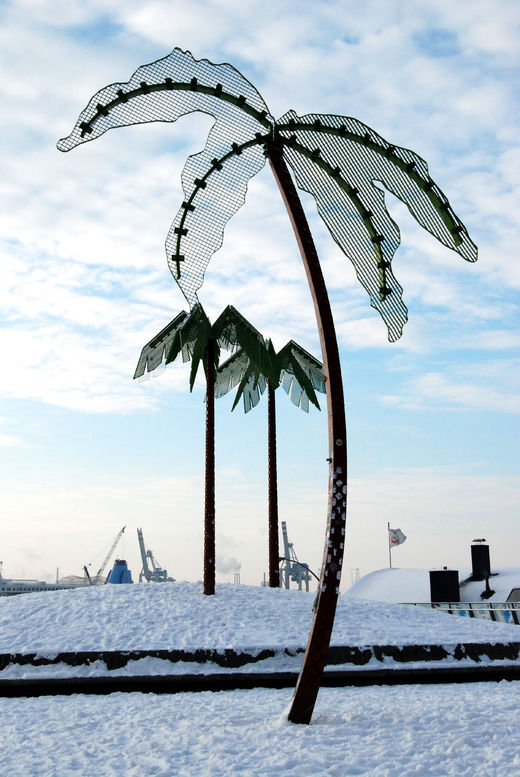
<point>489,386</point>
<point>11,441</point>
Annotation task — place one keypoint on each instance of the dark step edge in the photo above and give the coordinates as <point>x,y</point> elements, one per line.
<point>171,684</point>
<point>232,659</point>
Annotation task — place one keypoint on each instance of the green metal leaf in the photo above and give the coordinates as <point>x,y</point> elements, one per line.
<point>340,161</point>
<point>230,373</point>
<point>311,366</point>
<point>232,330</point>
<point>239,370</point>
<point>294,378</point>
<point>215,180</point>
<point>153,352</point>
<point>251,388</point>
<point>293,368</point>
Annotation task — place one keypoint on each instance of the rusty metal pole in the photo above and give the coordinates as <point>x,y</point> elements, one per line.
<point>308,684</point>
<point>274,552</point>
<point>209,489</point>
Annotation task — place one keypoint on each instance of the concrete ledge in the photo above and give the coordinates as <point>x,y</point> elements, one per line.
<point>116,659</point>
<point>236,680</point>
<point>233,659</point>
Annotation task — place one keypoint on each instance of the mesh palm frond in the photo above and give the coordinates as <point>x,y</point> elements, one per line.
<point>215,180</point>
<point>232,330</point>
<point>194,328</point>
<point>295,375</point>
<point>311,366</point>
<point>293,368</point>
<point>294,391</point>
<point>338,160</point>
<point>191,340</point>
<point>239,371</point>
<point>154,352</point>
<point>231,327</point>
<point>230,373</point>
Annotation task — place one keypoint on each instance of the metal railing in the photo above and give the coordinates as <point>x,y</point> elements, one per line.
<point>504,612</point>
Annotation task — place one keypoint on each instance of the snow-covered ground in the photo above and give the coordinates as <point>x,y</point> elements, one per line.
<point>433,731</point>
<point>178,616</point>
<point>403,731</point>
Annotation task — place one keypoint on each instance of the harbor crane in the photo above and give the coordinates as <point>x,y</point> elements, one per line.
<point>98,578</point>
<point>151,572</point>
<point>290,567</point>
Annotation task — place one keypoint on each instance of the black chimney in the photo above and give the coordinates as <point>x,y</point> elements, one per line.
<point>444,585</point>
<point>481,566</point>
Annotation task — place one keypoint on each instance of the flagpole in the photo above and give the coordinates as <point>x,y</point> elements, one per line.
<point>389,546</point>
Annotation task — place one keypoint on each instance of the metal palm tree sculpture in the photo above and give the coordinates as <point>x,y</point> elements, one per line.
<point>300,375</point>
<point>335,158</point>
<point>192,335</point>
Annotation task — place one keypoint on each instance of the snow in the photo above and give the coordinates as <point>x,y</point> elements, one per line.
<point>238,617</point>
<point>413,585</point>
<point>403,731</point>
<point>432,731</point>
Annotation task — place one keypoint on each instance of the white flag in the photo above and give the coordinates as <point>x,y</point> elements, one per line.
<point>395,537</point>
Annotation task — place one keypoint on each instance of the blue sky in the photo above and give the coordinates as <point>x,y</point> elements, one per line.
<point>433,420</point>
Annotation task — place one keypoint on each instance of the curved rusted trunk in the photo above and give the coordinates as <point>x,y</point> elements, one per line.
<point>321,629</point>
<point>209,489</point>
<point>274,552</point>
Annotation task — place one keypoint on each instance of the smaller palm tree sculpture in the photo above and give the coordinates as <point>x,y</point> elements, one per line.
<point>193,336</point>
<point>300,375</point>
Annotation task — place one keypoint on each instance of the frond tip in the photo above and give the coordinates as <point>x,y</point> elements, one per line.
<point>155,351</point>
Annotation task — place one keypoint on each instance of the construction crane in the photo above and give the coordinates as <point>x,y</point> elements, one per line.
<point>290,567</point>
<point>155,574</point>
<point>98,578</point>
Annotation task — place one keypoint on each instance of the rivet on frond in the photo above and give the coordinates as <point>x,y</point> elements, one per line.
<point>178,258</point>
<point>85,128</point>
